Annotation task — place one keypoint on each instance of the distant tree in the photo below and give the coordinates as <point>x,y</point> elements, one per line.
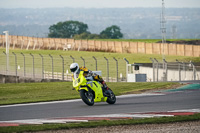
<point>87,35</point>
<point>82,35</point>
<point>112,32</point>
<point>94,36</point>
<point>67,29</point>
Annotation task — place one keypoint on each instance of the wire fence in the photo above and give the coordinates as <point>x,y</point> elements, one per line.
<point>56,67</point>
<point>174,71</point>
<point>37,66</point>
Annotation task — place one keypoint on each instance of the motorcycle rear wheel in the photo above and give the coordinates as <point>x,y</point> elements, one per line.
<point>87,97</point>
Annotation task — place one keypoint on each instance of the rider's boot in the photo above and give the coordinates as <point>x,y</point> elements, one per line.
<point>105,89</point>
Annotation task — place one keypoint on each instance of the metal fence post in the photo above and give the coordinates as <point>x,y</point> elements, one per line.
<point>42,66</point>
<point>6,62</point>
<point>179,69</point>
<point>116,66</point>
<point>107,80</point>
<point>62,67</point>
<point>83,61</point>
<point>184,70</point>
<point>72,58</point>
<point>153,63</point>
<point>194,70</point>
<point>166,69</point>
<point>15,66</point>
<point>24,65</point>
<point>7,48</point>
<point>156,67</point>
<point>52,66</point>
<point>95,61</point>
<point>127,62</point>
<point>33,66</point>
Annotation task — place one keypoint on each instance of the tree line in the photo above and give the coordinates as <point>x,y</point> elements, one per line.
<point>79,30</point>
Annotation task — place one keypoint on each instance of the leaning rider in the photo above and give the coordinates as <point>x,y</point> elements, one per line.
<point>88,74</point>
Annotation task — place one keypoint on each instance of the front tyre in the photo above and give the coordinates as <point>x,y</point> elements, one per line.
<point>111,99</point>
<point>87,97</point>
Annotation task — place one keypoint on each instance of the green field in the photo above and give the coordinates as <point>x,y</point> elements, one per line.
<point>144,40</point>
<point>12,93</point>
<point>137,58</point>
<point>132,40</point>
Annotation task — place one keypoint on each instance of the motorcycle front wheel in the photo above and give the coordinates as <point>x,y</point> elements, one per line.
<point>111,99</point>
<point>87,97</point>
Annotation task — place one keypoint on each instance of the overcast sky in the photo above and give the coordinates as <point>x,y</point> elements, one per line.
<point>97,3</point>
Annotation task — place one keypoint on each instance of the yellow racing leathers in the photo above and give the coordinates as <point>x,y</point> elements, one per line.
<point>88,73</point>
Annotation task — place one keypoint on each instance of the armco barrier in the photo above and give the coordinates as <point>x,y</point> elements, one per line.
<point>24,42</point>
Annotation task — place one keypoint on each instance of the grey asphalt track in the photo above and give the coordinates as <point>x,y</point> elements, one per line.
<point>187,99</point>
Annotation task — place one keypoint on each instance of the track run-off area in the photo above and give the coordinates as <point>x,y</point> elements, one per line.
<point>180,101</point>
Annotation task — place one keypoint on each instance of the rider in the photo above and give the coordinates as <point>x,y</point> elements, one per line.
<point>74,67</point>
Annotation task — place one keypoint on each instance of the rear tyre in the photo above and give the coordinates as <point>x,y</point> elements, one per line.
<point>111,99</point>
<point>87,97</point>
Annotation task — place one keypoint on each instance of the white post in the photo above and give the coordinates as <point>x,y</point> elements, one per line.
<point>7,50</point>
<point>127,63</point>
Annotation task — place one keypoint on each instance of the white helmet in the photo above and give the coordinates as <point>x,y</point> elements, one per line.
<point>74,67</point>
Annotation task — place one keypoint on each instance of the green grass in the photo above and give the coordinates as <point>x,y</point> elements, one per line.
<point>12,93</point>
<point>132,40</point>
<point>54,127</point>
<point>132,57</point>
<point>143,40</point>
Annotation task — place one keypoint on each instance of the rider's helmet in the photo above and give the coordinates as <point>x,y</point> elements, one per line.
<point>74,67</point>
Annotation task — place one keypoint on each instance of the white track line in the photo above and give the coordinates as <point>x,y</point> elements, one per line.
<point>40,103</point>
<point>187,110</point>
<point>131,115</point>
<point>65,120</point>
<point>78,100</point>
<point>43,121</point>
<point>140,95</point>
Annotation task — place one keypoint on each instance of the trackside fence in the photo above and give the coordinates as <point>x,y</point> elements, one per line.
<point>56,67</point>
<point>38,66</point>
<point>172,71</point>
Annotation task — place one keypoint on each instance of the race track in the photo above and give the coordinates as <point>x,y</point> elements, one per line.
<point>154,102</point>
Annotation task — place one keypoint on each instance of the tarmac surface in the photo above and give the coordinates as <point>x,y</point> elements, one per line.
<point>181,101</point>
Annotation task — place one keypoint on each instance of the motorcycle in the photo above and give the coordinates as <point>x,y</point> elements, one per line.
<point>91,91</point>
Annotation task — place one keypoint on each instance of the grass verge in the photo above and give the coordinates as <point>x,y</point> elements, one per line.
<point>143,40</point>
<point>132,57</point>
<point>45,127</point>
<point>13,93</point>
